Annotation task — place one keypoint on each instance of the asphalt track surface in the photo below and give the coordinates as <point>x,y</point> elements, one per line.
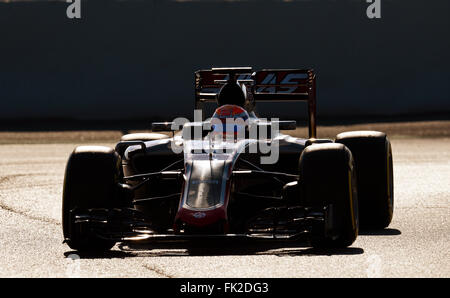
<point>416,244</point>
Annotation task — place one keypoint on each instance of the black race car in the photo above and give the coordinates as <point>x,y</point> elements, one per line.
<point>231,175</point>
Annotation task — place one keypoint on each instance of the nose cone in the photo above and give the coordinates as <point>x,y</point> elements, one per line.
<point>202,218</point>
<point>205,194</point>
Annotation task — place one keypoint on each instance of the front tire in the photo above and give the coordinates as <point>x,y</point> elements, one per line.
<point>374,169</point>
<point>327,178</point>
<point>90,181</point>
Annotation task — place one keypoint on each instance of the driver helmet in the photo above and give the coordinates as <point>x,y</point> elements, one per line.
<point>229,120</point>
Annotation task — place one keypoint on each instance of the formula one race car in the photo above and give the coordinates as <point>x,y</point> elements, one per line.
<point>231,175</point>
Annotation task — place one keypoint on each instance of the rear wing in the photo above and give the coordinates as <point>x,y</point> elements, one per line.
<point>288,85</point>
<point>208,82</point>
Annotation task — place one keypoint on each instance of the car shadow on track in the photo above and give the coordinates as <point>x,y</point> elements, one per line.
<point>226,248</point>
<point>382,232</point>
<point>218,248</point>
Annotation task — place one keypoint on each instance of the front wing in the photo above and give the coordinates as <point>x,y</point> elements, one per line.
<point>277,223</point>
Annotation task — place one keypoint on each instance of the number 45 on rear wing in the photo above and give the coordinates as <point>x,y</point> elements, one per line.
<point>263,85</point>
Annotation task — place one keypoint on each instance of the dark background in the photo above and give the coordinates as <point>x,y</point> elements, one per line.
<point>135,59</point>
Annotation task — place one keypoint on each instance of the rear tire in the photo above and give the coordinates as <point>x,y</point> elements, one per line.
<point>374,169</point>
<point>90,181</point>
<point>327,177</point>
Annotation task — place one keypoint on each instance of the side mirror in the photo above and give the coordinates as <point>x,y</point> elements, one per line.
<point>162,126</point>
<point>286,125</point>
